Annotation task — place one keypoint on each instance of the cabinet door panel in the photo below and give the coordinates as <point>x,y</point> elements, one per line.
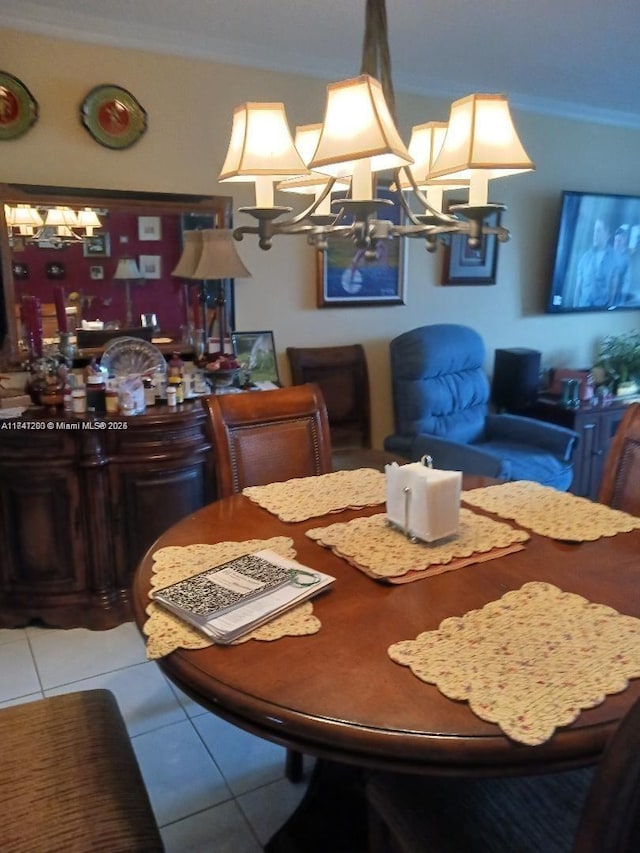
<point>40,516</point>
<point>151,500</point>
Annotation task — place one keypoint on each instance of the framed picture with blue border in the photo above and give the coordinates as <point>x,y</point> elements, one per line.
<point>345,277</point>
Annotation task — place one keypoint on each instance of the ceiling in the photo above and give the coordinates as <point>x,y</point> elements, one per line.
<point>577,58</point>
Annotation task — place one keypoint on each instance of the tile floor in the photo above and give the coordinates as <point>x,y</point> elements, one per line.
<point>213,787</point>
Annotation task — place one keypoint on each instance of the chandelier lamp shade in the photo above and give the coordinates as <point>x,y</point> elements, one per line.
<point>55,225</point>
<point>356,141</point>
<point>311,182</point>
<point>424,147</point>
<point>481,144</point>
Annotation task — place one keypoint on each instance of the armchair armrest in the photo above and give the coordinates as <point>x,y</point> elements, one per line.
<point>454,456</point>
<point>555,439</point>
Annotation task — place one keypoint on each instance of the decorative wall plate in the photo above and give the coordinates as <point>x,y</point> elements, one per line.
<point>113,116</point>
<point>18,107</point>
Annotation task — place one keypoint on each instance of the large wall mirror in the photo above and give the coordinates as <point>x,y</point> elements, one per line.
<point>87,261</point>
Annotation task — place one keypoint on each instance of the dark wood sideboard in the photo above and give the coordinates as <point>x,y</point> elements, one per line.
<point>596,425</point>
<point>79,508</point>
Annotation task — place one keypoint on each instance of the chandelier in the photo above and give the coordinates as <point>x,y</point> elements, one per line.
<point>56,226</point>
<point>357,140</point>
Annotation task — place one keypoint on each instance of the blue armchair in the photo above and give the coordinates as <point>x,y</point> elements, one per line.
<point>441,408</point>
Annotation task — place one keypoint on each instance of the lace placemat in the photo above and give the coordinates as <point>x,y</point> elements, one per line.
<point>559,515</point>
<point>530,661</point>
<point>307,497</point>
<point>167,632</point>
<point>384,553</point>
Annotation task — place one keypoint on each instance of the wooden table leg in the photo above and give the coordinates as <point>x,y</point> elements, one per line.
<point>331,816</point>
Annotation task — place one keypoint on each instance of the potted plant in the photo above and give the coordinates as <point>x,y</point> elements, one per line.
<point>619,357</point>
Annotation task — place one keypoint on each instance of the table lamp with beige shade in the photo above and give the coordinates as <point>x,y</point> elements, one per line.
<point>210,255</point>
<point>127,271</point>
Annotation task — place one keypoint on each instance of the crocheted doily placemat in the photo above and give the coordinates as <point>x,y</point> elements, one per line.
<point>307,497</point>
<point>559,515</point>
<point>167,632</point>
<point>384,553</point>
<point>530,661</point>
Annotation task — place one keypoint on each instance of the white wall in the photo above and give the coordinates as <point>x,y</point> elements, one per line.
<point>189,105</point>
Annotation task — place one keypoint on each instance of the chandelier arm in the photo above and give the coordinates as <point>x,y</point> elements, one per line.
<point>438,214</point>
<point>267,229</point>
<point>315,204</point>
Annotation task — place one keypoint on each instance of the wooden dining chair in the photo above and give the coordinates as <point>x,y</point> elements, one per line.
<point>342,374</point>
<point>620,486</point>
<point>262,437</point>
<point>590,810</point>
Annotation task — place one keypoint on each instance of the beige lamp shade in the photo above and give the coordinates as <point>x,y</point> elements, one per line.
<point>65,232</point>
<point>219,258</point>
<point>357,125</point>
<point>24,214</point>
<point>261,144</point>
<point>261,150</point>
<point>88,219</point>
<point>59,216</point>
<point>191,251</point>
<point>311,183</point>
<point>424,146</point>
<point>481,144</point>
<point>127,269</point>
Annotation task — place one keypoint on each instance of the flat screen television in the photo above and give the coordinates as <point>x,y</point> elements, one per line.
<point>597,260</point>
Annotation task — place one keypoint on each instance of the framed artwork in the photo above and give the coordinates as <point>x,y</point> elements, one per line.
<point>113,117</point>
<point>96,273</point>
<point>463,264</point>
<point>345,277</point>
<point>151,266</point>
<point>256,353</point>
<point>55,270</point>
<point>18,107</point>
<point>98,246</point>
<point>20,270</point>
<point>149,228</point>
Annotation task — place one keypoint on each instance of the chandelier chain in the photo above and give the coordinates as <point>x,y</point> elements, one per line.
<point>376,58</point>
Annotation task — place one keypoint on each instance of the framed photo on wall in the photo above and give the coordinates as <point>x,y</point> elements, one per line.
<point>149,228</point>
<point>151,266</point>
<point>256,352</point>
<point>98,246</point>
<point>463,264</point>
<point>345,277</point>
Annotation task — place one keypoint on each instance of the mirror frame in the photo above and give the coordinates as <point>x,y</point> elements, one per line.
<point>220,207</point>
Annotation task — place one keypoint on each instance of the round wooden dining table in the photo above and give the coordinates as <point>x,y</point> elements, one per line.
<point>338,696</point>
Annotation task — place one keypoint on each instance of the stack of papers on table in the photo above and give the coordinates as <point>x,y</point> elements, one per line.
<point>230,600</point>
